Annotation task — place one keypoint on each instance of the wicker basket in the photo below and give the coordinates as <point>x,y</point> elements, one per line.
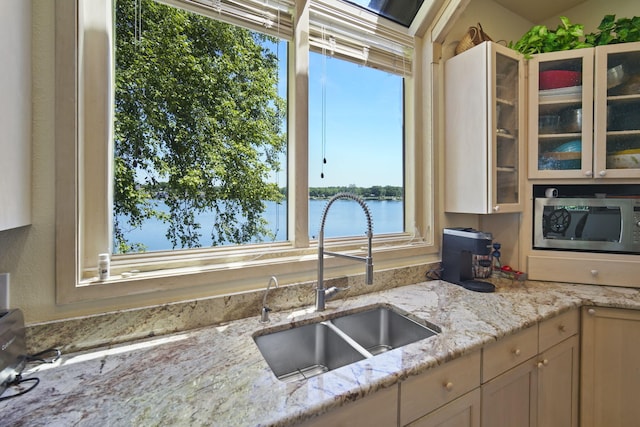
<point>474,36</point>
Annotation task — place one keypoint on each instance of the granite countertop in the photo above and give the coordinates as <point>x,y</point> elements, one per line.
<point>217,376</point>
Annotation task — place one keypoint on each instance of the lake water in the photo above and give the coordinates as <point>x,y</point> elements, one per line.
<point>345,218</point>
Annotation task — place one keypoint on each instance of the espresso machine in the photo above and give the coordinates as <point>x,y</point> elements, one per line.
<point>459,246</point>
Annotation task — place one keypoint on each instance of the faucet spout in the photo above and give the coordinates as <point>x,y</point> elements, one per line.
<point>323,294</point>
<point>264,313</point>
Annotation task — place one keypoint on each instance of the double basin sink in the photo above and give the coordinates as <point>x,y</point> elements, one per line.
<point>309,350</point>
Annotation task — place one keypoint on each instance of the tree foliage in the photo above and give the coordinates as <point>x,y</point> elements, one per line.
<point>197,111</point>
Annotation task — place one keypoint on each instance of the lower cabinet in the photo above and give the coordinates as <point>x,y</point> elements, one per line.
<point>439,397</point>
<point>377,409</point>
<point>461,412</point>
<point>538,381</point>
<point>610,371</point>
<point>510,399</point>
<point>558,385</point>
<point>530,379</point>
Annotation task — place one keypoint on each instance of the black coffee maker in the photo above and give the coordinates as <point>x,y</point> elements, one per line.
<point>458,247</point>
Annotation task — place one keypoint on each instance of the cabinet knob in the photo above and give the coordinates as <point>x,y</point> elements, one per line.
<point>588,173</point>
<point>594,273</point>
<point>562,328</point>
<point>448,386</point>
<point>496,208</point>
<point>516,352</point>
<point>591,312</point>
<point>543,363</point>
<point>602,173</point>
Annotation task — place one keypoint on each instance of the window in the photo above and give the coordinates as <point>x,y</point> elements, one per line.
<point>85,135</point>
<point>356,144</point>
<point>199,133</point>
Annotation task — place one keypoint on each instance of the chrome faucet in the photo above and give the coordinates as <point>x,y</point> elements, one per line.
<point>264,313</point>
<point>323,294</point>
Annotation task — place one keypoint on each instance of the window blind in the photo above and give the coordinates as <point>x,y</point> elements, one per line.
<point>273,17</point>
<point>359,36</point>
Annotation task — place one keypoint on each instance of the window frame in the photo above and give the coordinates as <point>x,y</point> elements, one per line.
<point>83,211</point>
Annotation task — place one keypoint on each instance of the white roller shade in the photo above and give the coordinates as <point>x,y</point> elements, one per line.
<point>359,36</point>
<point>273,17</point>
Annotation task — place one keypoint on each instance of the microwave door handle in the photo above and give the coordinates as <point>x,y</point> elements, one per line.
<point>580,225</point>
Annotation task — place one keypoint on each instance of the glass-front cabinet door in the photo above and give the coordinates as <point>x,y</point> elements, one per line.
<point>506,147</point>
<point>561,114</point>
<point>617,111</point>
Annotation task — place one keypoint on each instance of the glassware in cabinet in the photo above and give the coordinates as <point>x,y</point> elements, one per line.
<point>561,114</point>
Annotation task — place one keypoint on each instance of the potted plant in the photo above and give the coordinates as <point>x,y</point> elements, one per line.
<point>610,31</point>
<point>540,39</point>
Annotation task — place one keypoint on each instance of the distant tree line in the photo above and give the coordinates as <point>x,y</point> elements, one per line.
<point>386,192</point>
<point>376,192</point>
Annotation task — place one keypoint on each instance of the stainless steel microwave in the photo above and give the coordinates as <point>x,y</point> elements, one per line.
<point>587,224</point>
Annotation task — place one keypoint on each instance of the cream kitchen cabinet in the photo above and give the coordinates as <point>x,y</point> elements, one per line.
<point>531,378</point>
<point>584,113</point>
<point>443,396</point>
<point>15,114</point>
<point>378,409</point>
<point>484,122</point>
<point>610,371</point>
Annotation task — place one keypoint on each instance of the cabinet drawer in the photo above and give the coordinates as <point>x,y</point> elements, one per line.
<point>422,394</point>
<point>378,409</point>
<point>609,270</point>
<point>558,329</point>
<point>509,352</point>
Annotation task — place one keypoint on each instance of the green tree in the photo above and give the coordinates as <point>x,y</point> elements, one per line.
<point>197,114</point>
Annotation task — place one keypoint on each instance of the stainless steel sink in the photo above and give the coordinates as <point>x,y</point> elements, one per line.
<point>305,351</point>
<point>310,350</point>
<point>382,329</point>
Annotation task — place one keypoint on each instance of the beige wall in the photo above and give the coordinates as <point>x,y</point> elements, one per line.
<point>27,253</point>
<point>591,12</point>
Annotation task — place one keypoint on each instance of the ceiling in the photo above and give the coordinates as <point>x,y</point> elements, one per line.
<point>538,11</point>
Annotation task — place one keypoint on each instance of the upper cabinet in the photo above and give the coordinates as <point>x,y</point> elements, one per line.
<point>617,111</point>
<point>584,113</point>
<point>484,88</point>
<point>15,114</point>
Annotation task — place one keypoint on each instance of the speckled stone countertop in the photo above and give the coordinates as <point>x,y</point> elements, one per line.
<point>217,376</point>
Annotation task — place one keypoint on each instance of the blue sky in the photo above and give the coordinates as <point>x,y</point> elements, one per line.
<point>364,124</point>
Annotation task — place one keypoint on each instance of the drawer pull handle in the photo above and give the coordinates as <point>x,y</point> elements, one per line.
<point>516,352</point>
<point>594,273</point>
<point>448,386</point>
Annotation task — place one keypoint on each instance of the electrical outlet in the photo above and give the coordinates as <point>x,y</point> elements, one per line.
<point>4,291</point>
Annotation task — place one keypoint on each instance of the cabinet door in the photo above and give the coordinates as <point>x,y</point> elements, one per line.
<point>15,114</point>
<point>610,369</point>
<point>558,385</point>
<point>511,398</point>
<point>507,120</point>
<point>617,111</point>
<point>423,394</point>
<point>561,114</point>
<point>462,412</point>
